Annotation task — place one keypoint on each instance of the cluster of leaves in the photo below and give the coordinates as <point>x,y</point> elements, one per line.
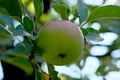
<point>18,54</point>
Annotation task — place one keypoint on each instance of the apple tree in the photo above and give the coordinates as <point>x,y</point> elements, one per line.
<point>34,32</point>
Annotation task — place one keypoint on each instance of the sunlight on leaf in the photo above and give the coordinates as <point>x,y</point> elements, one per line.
<point>110,11</point>
<point>38,5</point>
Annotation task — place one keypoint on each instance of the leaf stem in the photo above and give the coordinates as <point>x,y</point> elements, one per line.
<point>83,24</point>
<point>36,65</point>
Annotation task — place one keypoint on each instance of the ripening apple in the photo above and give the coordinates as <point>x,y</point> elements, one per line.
<point>61,42</point>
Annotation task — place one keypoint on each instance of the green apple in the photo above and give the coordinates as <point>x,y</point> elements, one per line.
<point>61,41</point>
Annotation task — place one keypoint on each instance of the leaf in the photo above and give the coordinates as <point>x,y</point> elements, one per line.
<point>26,48</point>
<point>106,65</point>
<point>53,74</point>
<point>38,5</point>
<point>61,2</point>
<point>19,60</point>
<point>40,75</point>
<point>5,38</point>
<point>93,35</point>
<point>18,30</point>
<point>3,11</point>
<point>12,7</point>
<point>37,50</point>
<point>109,25</point>
<point>62,8</point>
<point>84,31</point>
<point>110,11</point>
<point>37,74</point>
<point>4,33</point>
<point>82,11</point>
<point>6,20</point>
<point>76,15</point>
<point>44,76</point>
<point>66,77</point>
<point>28,24</point>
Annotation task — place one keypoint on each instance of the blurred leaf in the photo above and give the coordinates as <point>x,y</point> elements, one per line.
<point>45,76</point>
<point>116,43</point>
<point>82,11</point>
<point>40,75</point>
<point>108,25</point>
<point>66,77</point>
<point>12,7</point>
<point>101,70</point>
<point>48,17</point>
<point>75,15</point>
<point>84,31</point>
<point>28,24</point>
<point>2,22</point>
<point>110,11</point>
<point>23,47</point>
<point>62,8</point>
<point>53,74</point>
<point>37,74</point>
<point>6,20</point>
<point>93,35</point>
<point>106,66</point>
<point>38,5</point>
<point>4,34</point>
<point>61,2</point>
<point>19,60</point>
<point>37,50</point>
<point>5,38</point>
<point>3,11</point>
<point>18,30</point>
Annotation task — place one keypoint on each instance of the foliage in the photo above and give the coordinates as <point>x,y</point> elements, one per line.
<point>16,11</point>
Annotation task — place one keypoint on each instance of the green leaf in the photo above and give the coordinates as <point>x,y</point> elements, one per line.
<point>28,24</point>
<point>38,5</point>
<point>37,50</point>
<point>3,11</point>
<point>26,48</point>
<point>110,11</point>
<point>45,76</point>
<point>76,15</point>
<point>40,75</point>
<point>106,62</point>
<point>61,2</point>
<point>84,31</point>
<point>6,20</point>
<point>109,25</point>
<point>18,30</point>
<point>62,8</point>
<point>93,35</point>
<point>82,11</point>
<point>3,32</point>
<point>66,77</point>
<point>12,7</point>
<point>53,74</point>
<point>18,60</point>
<point>5,37</point>
<point>37,74</point>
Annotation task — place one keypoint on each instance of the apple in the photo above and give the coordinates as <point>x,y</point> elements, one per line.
<point>61,42</point>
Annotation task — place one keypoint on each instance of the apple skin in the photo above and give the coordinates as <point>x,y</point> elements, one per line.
<point>61,41</point>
